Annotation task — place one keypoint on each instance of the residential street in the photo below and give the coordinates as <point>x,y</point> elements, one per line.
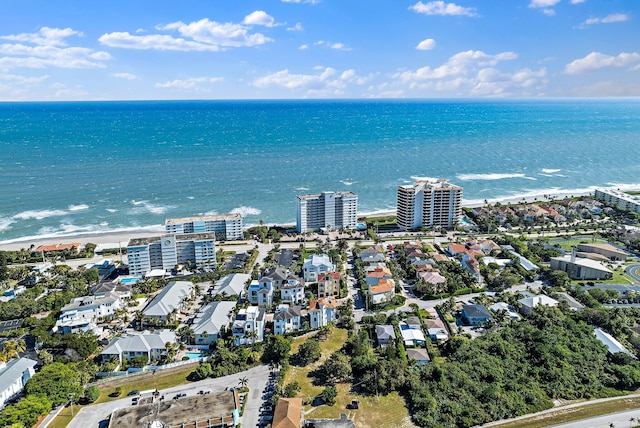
<point>90,417</point>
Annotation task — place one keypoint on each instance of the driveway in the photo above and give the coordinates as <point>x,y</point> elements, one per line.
<point>90,417</point>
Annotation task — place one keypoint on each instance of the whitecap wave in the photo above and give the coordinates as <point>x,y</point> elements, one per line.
<point>543,194</point>
<point>245,211</point>
<point>191,197</point>
<point>39,214</point>
<point>212,212</point>
<point>496,176</point>
<point>79,207</point>
<point>112,210</point>
<point>5,223</point>
<point>69,230</point>
<point>301,188</point>
<point>146,206</point>
<point>347,182</point>
<point>418,178</point>
<point>550,171</point>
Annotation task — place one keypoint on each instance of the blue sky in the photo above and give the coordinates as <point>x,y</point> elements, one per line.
<point>244,49</point>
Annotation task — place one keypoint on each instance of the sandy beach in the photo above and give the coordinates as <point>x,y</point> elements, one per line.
<point>123,237</point>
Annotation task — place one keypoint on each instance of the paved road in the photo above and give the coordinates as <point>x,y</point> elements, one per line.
<point>90,417</point>
<point>622,419</point>
<point>634,272</point>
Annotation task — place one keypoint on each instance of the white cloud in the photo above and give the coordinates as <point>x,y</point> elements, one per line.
<point>22,80</point>
<point>46,36</point>
<point>297,27</point>
<point>126,76</point>
<point>303,47</point>
<point>609,19</point>
<point>473,73</point>
<point>191,83</point>
<point>597,60</point>
<point>49,50</point>
<point>442,8</point>
<point>426,45</point>
<point>202,35</point>
<point>549,12</point>
<point>326,82</point>
<point>161,42</point>
<point>543,3</point>
<point>457,65</point>
<point>330,45</point>
<point>259,17</point>
<point>577,1</point>
<point>301,1</point>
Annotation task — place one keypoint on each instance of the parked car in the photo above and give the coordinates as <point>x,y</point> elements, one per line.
<point>179,396</point>
<point>134,392</point>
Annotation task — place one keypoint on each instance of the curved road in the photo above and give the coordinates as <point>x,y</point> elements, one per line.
<point>634,272</point>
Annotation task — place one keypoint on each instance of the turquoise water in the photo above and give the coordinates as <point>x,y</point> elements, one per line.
<point>129,280</point>
<point>70,168</point>
<point>194,355</point>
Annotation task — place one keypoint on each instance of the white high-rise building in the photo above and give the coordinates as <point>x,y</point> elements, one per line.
<point>327,209</point>
<point>165,252</point>
<point>227,227</point>
<point>429,204</point>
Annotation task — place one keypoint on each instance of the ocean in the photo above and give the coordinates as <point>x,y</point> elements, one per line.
<point>85,167</point>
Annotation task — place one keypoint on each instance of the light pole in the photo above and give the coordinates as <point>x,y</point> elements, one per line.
<point>71,395</point>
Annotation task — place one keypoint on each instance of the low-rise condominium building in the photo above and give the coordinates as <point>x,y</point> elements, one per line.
<point>227,227</point>
<point>168,251</point>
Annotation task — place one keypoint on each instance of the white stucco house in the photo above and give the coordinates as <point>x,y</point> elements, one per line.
<point>13,376</point>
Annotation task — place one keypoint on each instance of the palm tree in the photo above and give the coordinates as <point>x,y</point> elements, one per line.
<point>243,381</point>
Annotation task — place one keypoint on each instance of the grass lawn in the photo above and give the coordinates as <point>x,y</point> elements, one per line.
<point>568,244</point>
<point>568,415</point>
<point>374,412</point>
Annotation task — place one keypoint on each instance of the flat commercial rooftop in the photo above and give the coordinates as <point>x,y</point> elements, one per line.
<point>200,411</point>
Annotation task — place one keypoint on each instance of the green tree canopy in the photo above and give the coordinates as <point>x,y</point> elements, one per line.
<point>57,382</point>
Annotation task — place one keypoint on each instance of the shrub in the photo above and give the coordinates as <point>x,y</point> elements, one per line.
<point>91,394</point>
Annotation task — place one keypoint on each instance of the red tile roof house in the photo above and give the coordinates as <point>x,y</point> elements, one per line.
<point>48,249</point>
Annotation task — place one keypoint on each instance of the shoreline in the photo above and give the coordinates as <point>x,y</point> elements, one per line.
<point>122,237</point>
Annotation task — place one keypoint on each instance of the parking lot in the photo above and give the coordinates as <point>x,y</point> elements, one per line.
<point>92,416</point>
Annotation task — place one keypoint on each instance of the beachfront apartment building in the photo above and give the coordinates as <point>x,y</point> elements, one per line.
<point>332,210</point>
<point>227,227</point>
<point>168,251</point>
<point>429,204</point>
<point>623,201</point>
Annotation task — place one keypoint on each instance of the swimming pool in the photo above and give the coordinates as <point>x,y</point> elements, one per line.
<point>194,355</point>
<point>129,280</point>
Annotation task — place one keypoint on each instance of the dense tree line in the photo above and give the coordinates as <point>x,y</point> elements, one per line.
<point>515,370</point>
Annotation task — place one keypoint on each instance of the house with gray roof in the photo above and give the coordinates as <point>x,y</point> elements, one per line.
<point>149,344</point>
<point>385,334</point>
<point>419,355</point>
<point>231,285</point>
<point>212,320</point>
<point>475,315</point>
<point>287,319</point>
<point>13,376</point>
<point>170,298</point>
